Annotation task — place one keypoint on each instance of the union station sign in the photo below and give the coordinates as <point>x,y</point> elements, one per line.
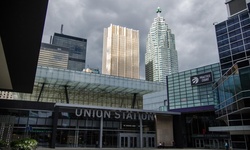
<point>126,115</point>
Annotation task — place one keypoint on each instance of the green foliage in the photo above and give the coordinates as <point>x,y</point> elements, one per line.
<point>24,144</point>
<point>3,143</point>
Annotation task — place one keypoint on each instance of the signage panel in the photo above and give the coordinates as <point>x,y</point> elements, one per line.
<point>199,79</point>
<point>127,115</point>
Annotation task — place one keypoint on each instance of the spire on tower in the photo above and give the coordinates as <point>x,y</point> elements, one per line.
<point>158,11</point>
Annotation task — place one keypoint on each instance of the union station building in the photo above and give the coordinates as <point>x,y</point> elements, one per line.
<point>77,109</point>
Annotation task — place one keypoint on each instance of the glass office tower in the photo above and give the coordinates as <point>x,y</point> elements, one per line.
<point>233,37</point>
<point>161,55</point>
<point>121,54</point>
<point>77,50</point>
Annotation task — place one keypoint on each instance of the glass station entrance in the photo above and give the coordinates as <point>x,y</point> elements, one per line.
<point>130,140</point>
<point>83,127</point>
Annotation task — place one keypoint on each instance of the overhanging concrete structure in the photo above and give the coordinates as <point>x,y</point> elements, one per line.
<point>75,87</point>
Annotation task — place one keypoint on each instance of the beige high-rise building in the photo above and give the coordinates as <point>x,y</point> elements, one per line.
<point>121,54</point>
<point>53,56</point>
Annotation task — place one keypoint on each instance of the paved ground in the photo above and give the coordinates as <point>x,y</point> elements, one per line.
<point>118,149</point>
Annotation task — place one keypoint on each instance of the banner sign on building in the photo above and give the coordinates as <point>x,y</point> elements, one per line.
<point>92,113</point>
<point>199,79</point>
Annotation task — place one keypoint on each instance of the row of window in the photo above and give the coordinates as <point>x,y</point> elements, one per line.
<point>234,51</point>
<point>232,21</point>
<point>177,92</point>
<point>222,42</point>
<point>221,35</point>
<point>190,105</point>
<point>191,99</point>
<point>238,56</point>
<point>181,87</point>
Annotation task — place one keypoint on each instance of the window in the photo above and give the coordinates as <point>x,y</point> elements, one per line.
<point>233,27</point>
<point>237,50</point>
<point>244,16</point>
<point>245,22</point>
<point>239,56</point>
<point>236,44</point>
<point>224,54</point>
<point>220,26</point>
<point>235,32</point>
<point>246,34</point>
<point>224,60</point>
<point>246,28</point>
<point>232,21</point>
<point>224,48</point>
<point>235,38</point>
<point>221,43</point>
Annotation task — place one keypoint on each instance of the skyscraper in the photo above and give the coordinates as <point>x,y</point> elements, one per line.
<point>233,34</point>
<point>53,56</point>
<point>121,52</point>
<point>161,56</point>
<point>233,40</point>
<point>77,50</point>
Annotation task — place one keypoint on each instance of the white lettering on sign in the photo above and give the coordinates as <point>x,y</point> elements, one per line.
<point>205,78</point>
<point>92,113</point>
<point>201,78</point>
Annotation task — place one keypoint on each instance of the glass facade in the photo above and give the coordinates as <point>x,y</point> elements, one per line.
<point>155,101</point>
<point>191,93</point>
<point>63,127</point>
<point>233,39</point>
<point>161,56</point>
<point>195,130</point>
<point>234,102</point>
<point>77,109</point>
<point>77,50</point>
<point>181,94</point>
<point>75,87</point>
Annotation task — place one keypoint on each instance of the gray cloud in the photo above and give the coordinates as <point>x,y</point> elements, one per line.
<point>190,20</point>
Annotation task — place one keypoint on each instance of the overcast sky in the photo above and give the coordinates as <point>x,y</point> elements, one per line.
<point>190,20</point>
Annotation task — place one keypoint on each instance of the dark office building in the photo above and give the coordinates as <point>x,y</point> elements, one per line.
<point>77,50</point>
<point>233,88</point>
<point>233,35</point>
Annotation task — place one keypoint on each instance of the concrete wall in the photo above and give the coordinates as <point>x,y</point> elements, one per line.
<point>164,130</point>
